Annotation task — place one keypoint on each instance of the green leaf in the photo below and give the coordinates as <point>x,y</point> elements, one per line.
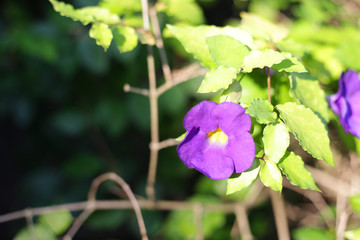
<point>125,38</point>
<point>306,89</point>
<point>276,140</point>
<point>308,129</point>
<point>290,64</point>
<point>232,93</point>
<point>261,59</point>
<point>180,223</point>
<point>355,203</point>
<point>226,51</point>
<point>194,39</point>
<point>85,15</point>
<point>102,34</point>
<point>41,233</point>
<point>261,26</point>
<point>185,11</point>
<point>58,221</point>
<point>262,110</point>
<point>217,79</point>
<point>311,233</point>
<point>270,175</point>
<point>120,7</point>
<point>294,169</point>
<point>181,137</point>
<point>352,234</point>
<point>245,178</point>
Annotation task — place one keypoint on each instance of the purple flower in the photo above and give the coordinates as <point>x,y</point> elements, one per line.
<point>346,102</point>
<point>218,142</point>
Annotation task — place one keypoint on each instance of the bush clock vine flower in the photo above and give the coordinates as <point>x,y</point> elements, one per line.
<point>346,102</point>
<point>218,142</point>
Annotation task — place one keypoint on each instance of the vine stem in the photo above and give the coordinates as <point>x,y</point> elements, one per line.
<point>280,215</point>
<point>154,118</point>
<point>267,70</point>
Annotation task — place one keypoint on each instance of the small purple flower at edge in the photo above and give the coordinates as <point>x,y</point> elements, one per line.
<point>218,142</point>
<point>346,102</point>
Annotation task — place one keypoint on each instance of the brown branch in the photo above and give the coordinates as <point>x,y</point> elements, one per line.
<point>280,215</point>
<point>30,224</point>
<point>315,197</point>
<point>182,75</point>
<point>154,111</point>
<point>90,208</point>
<point>243,222</point>
<point>198,211</point>
<point>164,144</point>
<point>123,204</point>
<point>134,203</point>
<point>160,44</point>
<point>335,184</point>
<point>128,88</point>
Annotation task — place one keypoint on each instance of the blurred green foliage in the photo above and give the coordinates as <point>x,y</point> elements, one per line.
<point>64,117</point>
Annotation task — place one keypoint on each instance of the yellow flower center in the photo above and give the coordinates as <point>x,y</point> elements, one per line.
<point>217,136</point>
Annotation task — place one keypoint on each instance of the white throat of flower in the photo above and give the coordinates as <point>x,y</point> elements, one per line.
<point>217,137</point>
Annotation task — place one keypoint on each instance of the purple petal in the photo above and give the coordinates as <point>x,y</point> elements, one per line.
<point>214,163</point>
<point>199,117</point>
<point>241,149</point>
<point>232,118</point>
<point>346,102</point>
<point>191,146</point>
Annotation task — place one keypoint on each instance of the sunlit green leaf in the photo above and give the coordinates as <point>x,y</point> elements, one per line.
<point>181,137</point>
<point>259,25</point>
<point>270,175</point>
<point>276,140</point>
<point>125,38</point>
<point>261,59</point>
<point>245,179</point>
<point>102,34</point>
<point>185,11</point>
<point>294,169</point>
<point>262,110</point>
<point>232,93</point>
<point>58,221</point>
<point>193,39</point>
<point>217,78</point>
<point>226,51</point>
<point>352,234</point>
<point>121,7</point>
<point>306,89</point>
<point>85,15</point>
<point>290,64</point>
<point>312,233</point>
<point>308,129</point>
<point>355,203</point>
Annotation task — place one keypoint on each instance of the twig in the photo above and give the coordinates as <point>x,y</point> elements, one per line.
<point>198,211</point>
<point>243,222</point>
<point>280,215</point>
<point>123,204</point>
<point>127,190</point>
<point>165,143</point>
<point>324,179</point>
<point>30,224</point>
<point>154,118</point>
<point>90,208</point>
<point>128,88</point>
<point>267,70</point>
<point>160,44</point>
<point>182,75</point>
<point>315,197</point>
